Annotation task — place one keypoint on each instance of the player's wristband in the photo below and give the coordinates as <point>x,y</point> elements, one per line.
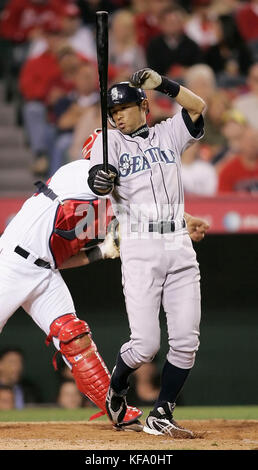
<point>94,254</point>
<point>168,87</point>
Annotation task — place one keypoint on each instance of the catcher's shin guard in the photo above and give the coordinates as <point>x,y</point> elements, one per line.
<point>88,368</point>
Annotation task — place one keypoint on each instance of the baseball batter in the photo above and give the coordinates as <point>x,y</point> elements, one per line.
<point>50,233</point>
<point>158,261</point>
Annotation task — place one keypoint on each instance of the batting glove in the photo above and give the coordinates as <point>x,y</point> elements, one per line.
<point>147,79</point>
<point>104,182</point>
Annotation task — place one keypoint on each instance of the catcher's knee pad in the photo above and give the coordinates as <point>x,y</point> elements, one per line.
<point>88,368</point>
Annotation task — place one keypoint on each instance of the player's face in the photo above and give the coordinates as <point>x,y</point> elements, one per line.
<point>128,117</point>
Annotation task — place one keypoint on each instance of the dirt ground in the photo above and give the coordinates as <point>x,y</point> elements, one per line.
<point>214,434</point>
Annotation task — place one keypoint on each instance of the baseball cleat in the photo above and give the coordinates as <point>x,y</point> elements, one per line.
<point>136,426</point>
<point>116,405</point>
<point>131,420</point>
<point>132,414</point>
<point>160,421</point>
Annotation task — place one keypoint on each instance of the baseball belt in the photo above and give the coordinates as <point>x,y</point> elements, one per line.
<point>162,226</point>
<point>25,254</point>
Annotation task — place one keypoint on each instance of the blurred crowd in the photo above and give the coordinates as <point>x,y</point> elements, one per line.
<point>17,392</point>
<point>49,71</point>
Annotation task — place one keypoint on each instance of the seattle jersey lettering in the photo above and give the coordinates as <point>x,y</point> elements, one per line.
<point>130,164</point>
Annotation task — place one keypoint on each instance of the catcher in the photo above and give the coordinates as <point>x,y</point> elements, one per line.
<point>51,233</point>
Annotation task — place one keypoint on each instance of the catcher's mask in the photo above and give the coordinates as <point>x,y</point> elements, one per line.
<point>122,93</point>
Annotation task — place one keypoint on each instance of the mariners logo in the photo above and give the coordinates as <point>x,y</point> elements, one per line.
<point>130,164</point>
<point>114,94</point>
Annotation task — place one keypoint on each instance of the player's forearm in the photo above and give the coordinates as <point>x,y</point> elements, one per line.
<point>85,257</point>
<point>75,261</point>
<point>193,103</point>
<point>109,248</point>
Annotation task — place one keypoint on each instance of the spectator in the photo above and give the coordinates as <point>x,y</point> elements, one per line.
<point>6,398</point>
<point>171,52</point>
<point>217,105</point>
<point>201,25</point>
<point>69,62</point>
<point>11,374</point>
<point>234,124</point>
<point>21,22</point>
<point>139,6</point>
<point>161,107</point>
<point>124,52</point>
<point>148,21</point>
<point>79,37</point>
<point>229,58</point>
<point>241,172</point>
<point>88,122</point>
<point>69,396</point>
<point>201,79</point>
<point>145,385</point>
<point>224,7</point>
<point>65,375</point>
<point>247,103</point>
<point>84,100</point>
<point>38,72</point>
<point>36,76</point>
<point>88,9</point>
<point>199,177</point>
<point>247,22</point>
<point>64,371</point>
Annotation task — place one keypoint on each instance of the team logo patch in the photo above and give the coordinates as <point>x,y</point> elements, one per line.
<point>114,94</point>
<point>77,358</point>
<point>130,164</point>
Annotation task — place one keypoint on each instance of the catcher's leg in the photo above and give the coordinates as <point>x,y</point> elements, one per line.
<point>76,345</point>
<point>88,368</point>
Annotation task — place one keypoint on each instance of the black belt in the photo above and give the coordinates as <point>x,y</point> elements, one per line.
<point>164,226</point>
<point>25,254</point>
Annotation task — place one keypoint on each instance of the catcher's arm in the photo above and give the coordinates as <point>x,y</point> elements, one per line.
<point>109,248</point>
<point>75,261</point>
<point>196,227</point>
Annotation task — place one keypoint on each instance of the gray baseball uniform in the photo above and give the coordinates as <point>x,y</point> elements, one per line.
<point>156,267</point>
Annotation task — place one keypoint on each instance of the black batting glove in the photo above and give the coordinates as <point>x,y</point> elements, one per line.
<point>147,79</point>
<point>104,182</point>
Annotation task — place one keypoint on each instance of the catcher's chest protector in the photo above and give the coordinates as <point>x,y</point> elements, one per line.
<point>76,223</point>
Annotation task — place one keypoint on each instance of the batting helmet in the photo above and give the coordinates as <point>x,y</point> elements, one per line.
<point>122,93</point>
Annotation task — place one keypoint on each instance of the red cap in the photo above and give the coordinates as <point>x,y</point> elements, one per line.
<point>201,3</point>
<point>71,10</point>
<point>52,26</point>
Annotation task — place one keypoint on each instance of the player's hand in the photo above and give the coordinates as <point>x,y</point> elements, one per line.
<point>111,246</point>
<point>147,79</point>
<point>196,227</point>
<point>104,182</point>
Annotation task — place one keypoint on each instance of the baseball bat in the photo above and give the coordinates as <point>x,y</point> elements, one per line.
<point>102,56</point>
